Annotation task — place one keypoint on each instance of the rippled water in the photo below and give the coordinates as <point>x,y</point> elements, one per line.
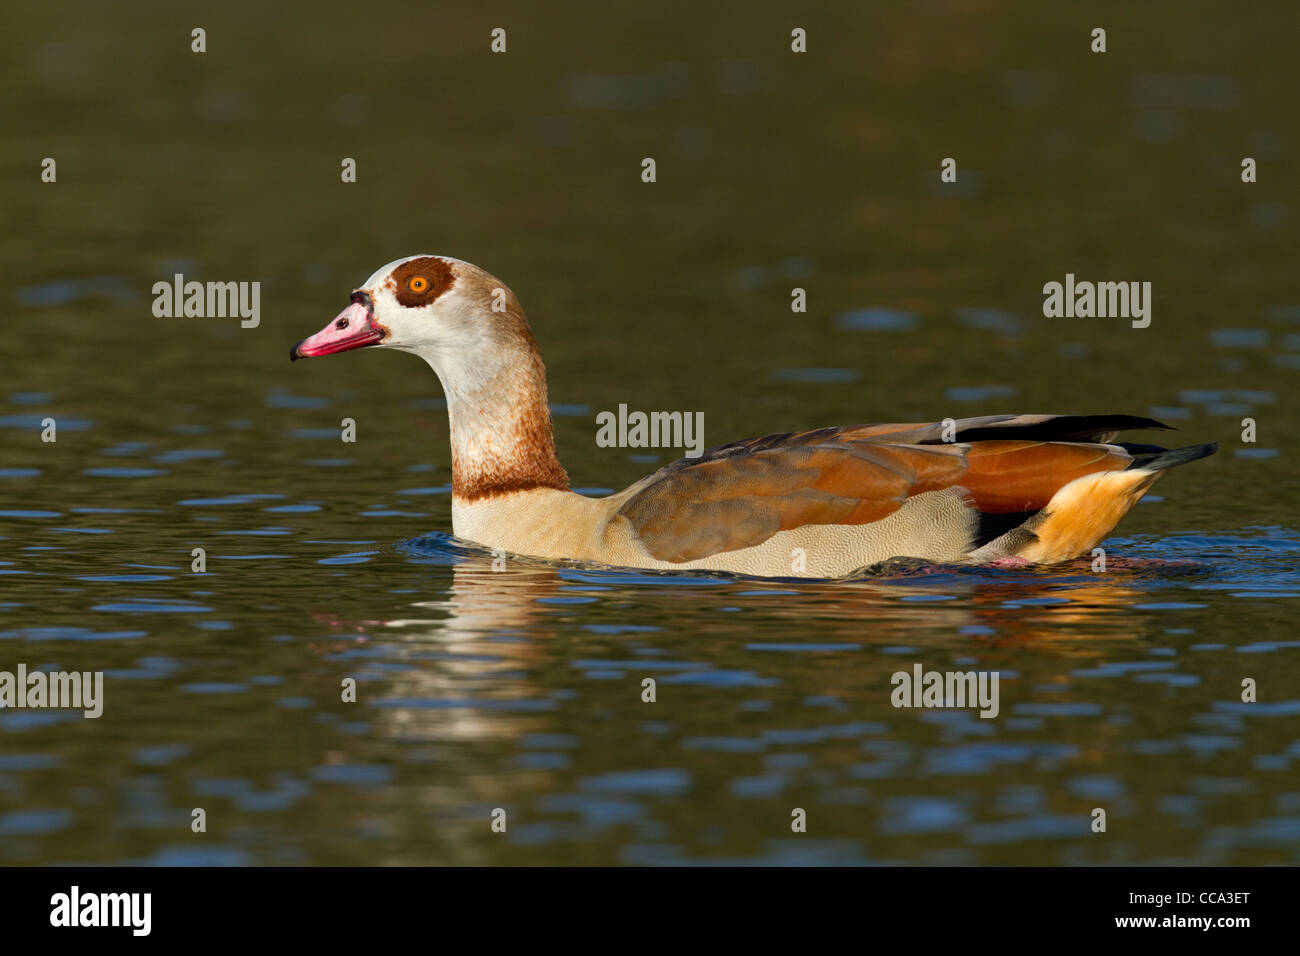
<point>521,688</point>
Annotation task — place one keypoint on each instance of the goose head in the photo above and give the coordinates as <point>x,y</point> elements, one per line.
<point>448,311</point>
<point>469,327</point>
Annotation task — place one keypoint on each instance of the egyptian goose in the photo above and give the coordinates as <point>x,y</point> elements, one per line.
<point>822,503</point>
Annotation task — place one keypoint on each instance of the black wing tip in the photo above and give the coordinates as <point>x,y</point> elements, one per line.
<point>1061,428</point>
<point>1114,422</point>
<point>1174,457</point>
<point>1141,421</point>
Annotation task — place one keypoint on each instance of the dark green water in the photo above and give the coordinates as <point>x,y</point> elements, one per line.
<point>521,689</point>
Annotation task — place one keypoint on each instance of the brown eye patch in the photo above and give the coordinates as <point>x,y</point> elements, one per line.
<point>422,280</point>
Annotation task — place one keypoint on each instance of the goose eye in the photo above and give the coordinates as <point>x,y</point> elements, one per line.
<point>418,284</point>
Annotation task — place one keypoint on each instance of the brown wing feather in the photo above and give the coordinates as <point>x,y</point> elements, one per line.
<point>742,500</point>
<point>739,495</point>
<point>1008,476</point>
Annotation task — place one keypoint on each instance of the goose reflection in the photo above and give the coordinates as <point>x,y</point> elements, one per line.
<point>510,679</point>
